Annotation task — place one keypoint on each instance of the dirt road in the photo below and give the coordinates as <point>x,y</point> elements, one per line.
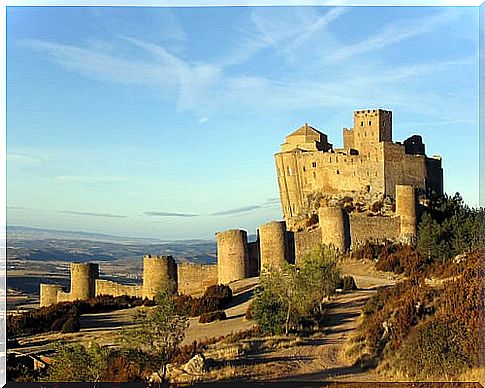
<point>320,358</point>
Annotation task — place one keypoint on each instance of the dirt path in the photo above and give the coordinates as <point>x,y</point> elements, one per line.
<point>320,358</point>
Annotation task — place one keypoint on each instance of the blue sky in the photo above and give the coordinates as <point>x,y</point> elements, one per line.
<point>163,122</point>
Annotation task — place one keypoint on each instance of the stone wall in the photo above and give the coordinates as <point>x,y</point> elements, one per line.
<point>63,296</point>
<point>48,294</point>
<point>193,279</point>
<point>363,228</point>
<point>305,241</point>
<point>108,287</point>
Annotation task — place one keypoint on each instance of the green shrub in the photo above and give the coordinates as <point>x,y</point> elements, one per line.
<point>269,312</point>
<point>71,325</point>
<point>212,316</point>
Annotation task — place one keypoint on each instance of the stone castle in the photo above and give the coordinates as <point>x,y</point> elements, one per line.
<point>370,167</point>
<point>369,161</point>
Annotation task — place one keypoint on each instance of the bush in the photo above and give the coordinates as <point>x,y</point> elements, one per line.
<point>71,325</point>
<point>57,324</point>
<point>436,348</point>
<point>219,291</point>
<point>51,318</point>
<point>401,258</point>
<point>212,316</point>
<point>348,283</point>
<point>215,298</point>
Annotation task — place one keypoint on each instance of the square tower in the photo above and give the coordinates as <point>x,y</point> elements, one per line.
<point>371,126</point>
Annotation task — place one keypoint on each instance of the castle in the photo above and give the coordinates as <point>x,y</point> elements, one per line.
<point>307,166</point>
<point>369,161</point>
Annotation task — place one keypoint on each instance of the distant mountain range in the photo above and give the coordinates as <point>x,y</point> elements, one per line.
<point>29,233</point>
<point>50,244</point>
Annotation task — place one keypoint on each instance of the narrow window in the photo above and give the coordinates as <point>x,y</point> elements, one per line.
<point>361,123</point>
<point>370,122</point>
<point>338,172</point>
<point>314,175</point>
<point>314,164</point>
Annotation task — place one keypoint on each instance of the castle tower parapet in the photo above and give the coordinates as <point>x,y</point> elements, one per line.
<point>406,209</point>
<point>83,280</point>
<point>232,255</point>
<point>273,244</point>
<point>334,226</point>
<point>48,294</point>
<point>158,272</point>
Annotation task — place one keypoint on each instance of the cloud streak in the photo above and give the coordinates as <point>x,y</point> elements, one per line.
<point>206,89</point>
<point>90,214</point>
<point>270,202</point>
<point>169,214</point>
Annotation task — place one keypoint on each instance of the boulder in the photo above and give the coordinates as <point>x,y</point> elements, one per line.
<point>196,365</point>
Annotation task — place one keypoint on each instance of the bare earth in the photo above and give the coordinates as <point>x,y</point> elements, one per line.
<point>319,358</point>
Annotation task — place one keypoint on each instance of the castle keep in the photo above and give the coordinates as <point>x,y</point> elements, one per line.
<point>369,161</point>
<point>364,191</point>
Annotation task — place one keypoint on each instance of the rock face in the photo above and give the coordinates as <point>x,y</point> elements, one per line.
<point>196,365</point>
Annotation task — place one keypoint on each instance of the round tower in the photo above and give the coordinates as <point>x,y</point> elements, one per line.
<point>83,280</point>
<point>158,272</point>
<point>406,209</point>
<point>273,244</point>
<point>334,227</point>
<point>232,255</point>
<point>48,294</point>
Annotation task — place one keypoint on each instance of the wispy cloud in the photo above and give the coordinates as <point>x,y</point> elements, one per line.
<point>26,159</point>
<point>205,88</point>
<point>270,202</point>
<point>169,214</point>
<point>392,34</point>
<point>91,214</point>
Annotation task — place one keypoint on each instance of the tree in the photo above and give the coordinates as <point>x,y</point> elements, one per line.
<point>157,331</point>
<point>292,295</point>
<point>74,362</point>
<point>272,306</point>
<point>319,276</point>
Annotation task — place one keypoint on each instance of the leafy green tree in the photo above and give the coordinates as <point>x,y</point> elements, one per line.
<point>272,306</point>
<point>76,363</point>
<point>157,331</point>
<point>319,276</point>
<point>291,295</point>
